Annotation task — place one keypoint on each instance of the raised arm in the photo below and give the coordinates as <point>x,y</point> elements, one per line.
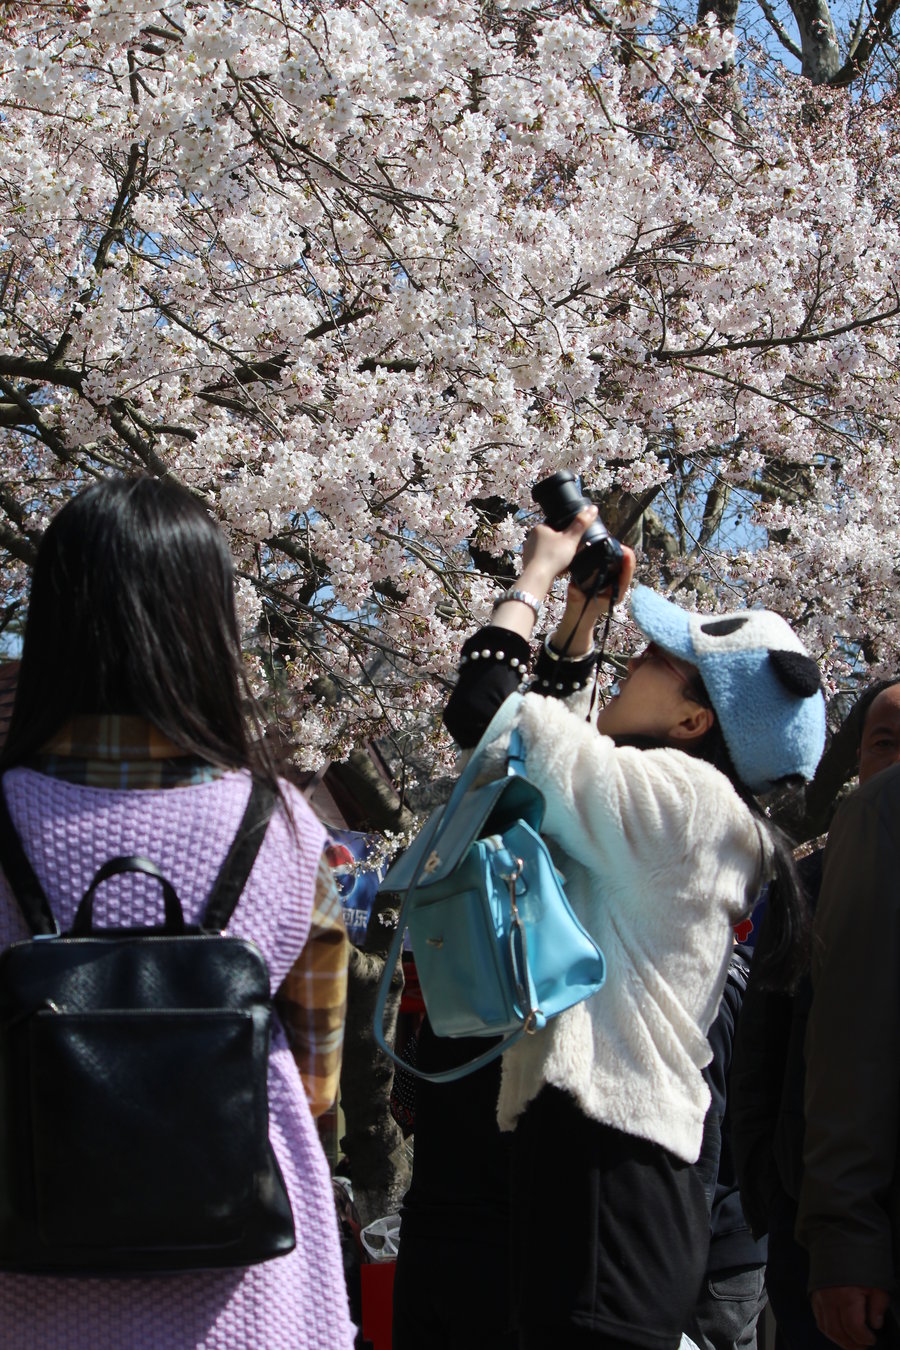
<point>497,658</point>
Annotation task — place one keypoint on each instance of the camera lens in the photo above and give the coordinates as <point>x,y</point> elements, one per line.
<point>598,561</point>
<point>560,498</point>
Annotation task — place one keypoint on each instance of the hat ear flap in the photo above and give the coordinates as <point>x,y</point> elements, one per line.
<point>797,672</point>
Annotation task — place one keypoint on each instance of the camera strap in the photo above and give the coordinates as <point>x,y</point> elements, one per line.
<point>601,649</point>
<point>614,595</point>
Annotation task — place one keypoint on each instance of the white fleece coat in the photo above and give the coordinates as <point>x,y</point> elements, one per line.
<point>661,858</point>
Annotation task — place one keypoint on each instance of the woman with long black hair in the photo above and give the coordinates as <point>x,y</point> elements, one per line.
<point>129,736</point>
<point>652,819</point>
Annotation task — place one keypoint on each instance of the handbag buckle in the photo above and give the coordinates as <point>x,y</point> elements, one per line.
<point>511,878</point>
<point>517,930</point>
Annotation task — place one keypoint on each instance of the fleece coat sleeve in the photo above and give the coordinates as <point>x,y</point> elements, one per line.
<point>653,820</point>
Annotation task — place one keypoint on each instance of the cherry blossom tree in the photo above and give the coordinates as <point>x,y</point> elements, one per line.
<point>358,275</point>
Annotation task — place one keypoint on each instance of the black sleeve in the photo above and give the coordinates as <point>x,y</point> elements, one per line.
<point>494,664</point>
<point>848,1194</point>
<point>766,1097</point>
<point>760,1055</point>
<point>721,1038</point>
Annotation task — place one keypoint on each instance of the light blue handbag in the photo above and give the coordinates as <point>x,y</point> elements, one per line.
<point>497,947</point>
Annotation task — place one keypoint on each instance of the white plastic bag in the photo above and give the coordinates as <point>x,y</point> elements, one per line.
<point>381,1238</point>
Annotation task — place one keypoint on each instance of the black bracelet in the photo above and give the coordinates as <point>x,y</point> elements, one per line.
<point>557,674</point>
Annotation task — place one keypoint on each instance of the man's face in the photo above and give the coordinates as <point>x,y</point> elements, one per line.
<point>879,747</point>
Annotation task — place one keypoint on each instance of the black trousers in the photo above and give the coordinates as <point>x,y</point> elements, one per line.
<point>787,1274</point>
<point>610,1234</point>
<point>451,1290</point>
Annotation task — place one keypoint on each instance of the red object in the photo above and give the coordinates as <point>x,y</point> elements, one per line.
<point>377,1288</point>
<point>411,1000</point>
<point>743,930</point>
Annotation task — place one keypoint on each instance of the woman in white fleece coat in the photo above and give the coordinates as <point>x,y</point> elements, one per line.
<point>663,849</point>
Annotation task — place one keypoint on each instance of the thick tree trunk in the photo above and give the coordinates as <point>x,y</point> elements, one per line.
<point>821,59</point>
<point>726,11</point>
<point>726,87</point>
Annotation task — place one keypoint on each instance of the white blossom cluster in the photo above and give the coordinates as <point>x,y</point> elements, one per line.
<point>356,274</point>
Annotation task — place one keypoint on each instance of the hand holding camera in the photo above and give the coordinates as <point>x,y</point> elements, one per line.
<point>598,564</point>
<point>600,569</point>
<point>573,540</point>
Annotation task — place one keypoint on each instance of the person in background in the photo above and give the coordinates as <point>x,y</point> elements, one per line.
<point>129,735</point>
<point>768,1074</point>
<point>849,1210</point>
<point>732,1298</point>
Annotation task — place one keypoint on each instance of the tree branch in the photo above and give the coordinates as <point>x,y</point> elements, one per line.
<point>141,447</point>
<point>31,417</point>
<point>780,31</point>
<point>765,344</point>
<point>27,368</point>
<point>19,545</point>
<point>113,229</point>
<point>860,54</point>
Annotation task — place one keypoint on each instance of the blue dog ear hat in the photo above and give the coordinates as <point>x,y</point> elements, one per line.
<point>764,686</point>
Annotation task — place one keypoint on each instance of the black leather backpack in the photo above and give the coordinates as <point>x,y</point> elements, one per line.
<point>133,1093</point>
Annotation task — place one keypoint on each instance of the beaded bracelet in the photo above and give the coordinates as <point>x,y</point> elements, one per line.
<point>559,656</point>
<point>487,655</point>
<point>561,686</point>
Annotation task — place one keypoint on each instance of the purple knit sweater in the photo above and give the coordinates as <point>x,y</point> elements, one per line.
<point>299,1301</point>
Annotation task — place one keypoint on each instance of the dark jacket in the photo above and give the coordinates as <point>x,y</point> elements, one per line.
<point>731,1244</point>
<point>767,1076</point>
<point>850,1194</point>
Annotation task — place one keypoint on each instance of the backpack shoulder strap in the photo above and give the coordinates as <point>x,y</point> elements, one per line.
<point>233,874</point>
<point>22,877</point>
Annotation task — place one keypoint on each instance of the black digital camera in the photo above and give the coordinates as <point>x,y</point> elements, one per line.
<point>598,562</point>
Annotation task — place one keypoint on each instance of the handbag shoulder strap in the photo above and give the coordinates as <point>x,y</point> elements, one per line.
<point>239,860</point>
<point>515,755</point>
<point>515,764</point>
<point>444,1075</point>
<point>27,890</point>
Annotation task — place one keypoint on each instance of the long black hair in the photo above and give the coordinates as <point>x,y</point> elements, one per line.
<point>783,957</point>
<point>132,611</point>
